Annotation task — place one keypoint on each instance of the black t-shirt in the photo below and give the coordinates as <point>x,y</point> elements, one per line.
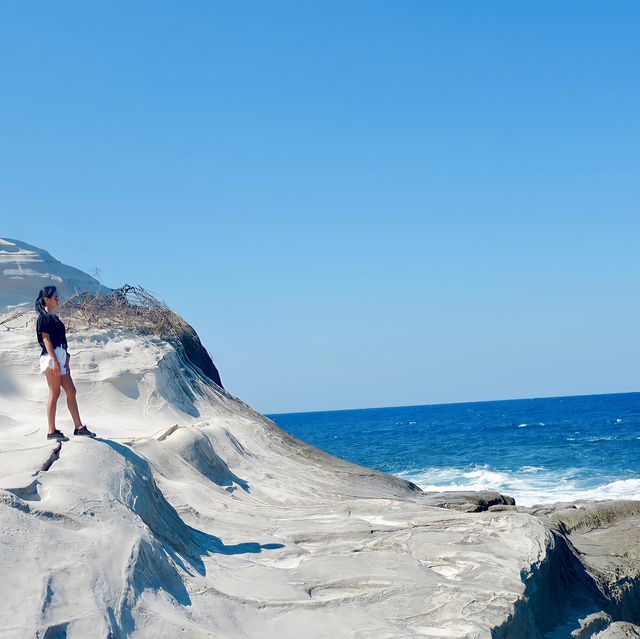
<point>52,324</point>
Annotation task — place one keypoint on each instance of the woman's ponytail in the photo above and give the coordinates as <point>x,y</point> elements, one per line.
<point>47,291</point>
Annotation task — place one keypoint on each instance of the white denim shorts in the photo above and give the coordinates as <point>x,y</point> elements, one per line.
<point>61,355</point>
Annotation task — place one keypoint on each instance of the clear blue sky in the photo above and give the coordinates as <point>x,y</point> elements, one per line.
<point>355,203</point>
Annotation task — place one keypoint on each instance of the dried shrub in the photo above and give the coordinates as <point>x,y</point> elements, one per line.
<point>125,307</point>
<point>133,307</point>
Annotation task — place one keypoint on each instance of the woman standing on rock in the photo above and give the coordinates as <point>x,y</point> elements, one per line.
<point>54,363</point>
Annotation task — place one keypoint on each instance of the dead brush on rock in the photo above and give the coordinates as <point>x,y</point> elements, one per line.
<point>125,307</point>
<point>133,307</point>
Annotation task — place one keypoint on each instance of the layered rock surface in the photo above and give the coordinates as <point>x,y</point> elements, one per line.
<point>193,515</point>
<point>25,269</point>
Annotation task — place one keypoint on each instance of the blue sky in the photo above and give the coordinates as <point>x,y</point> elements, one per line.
<point>354,203</point>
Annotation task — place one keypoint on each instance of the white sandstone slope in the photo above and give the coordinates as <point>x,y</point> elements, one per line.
<point>194,516</point>
<point>25,269</point>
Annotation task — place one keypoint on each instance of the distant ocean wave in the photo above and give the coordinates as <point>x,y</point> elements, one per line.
<point>528,486</point>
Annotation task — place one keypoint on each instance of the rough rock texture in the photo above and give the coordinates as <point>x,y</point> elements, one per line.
<point>605,538</point>
<point>471,502</point>
<point>198,355</point>
<point>619,630</point>
<point>592,624</point>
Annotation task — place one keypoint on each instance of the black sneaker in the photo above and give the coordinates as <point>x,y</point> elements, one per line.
<point>59,435</point>
<point>83,431</point>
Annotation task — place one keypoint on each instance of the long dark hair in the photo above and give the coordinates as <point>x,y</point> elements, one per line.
<point>47,291</point>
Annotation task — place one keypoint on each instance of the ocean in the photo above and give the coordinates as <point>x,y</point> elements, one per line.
<point>535,450</point>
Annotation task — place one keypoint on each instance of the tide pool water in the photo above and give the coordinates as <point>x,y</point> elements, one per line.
<point>535,450</point>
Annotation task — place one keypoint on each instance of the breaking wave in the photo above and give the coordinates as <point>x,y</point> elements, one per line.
<point>529,485</point>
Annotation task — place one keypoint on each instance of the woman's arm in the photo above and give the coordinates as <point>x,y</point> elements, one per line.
<point>49,346</point>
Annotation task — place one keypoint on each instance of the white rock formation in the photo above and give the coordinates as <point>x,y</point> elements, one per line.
<point>194,516</point>
<point>25,269</point>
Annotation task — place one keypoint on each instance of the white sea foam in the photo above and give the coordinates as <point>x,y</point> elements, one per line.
<point>529,485</point>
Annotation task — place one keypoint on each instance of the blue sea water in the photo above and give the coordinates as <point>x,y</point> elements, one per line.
<point>536,450</point>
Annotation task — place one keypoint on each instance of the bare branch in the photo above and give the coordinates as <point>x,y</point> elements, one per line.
<point>14,316</point>
<point>125,307</point>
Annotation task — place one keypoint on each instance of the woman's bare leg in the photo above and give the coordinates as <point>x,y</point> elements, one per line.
<point>53,381</point>
<point>70,390</point>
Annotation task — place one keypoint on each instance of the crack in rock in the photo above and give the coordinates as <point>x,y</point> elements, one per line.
<point>55,454</point>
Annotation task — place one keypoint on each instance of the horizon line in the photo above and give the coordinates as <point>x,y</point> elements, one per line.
<point>481,401</point>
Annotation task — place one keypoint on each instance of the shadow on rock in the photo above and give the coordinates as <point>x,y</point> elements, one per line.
<point>177,538</point>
